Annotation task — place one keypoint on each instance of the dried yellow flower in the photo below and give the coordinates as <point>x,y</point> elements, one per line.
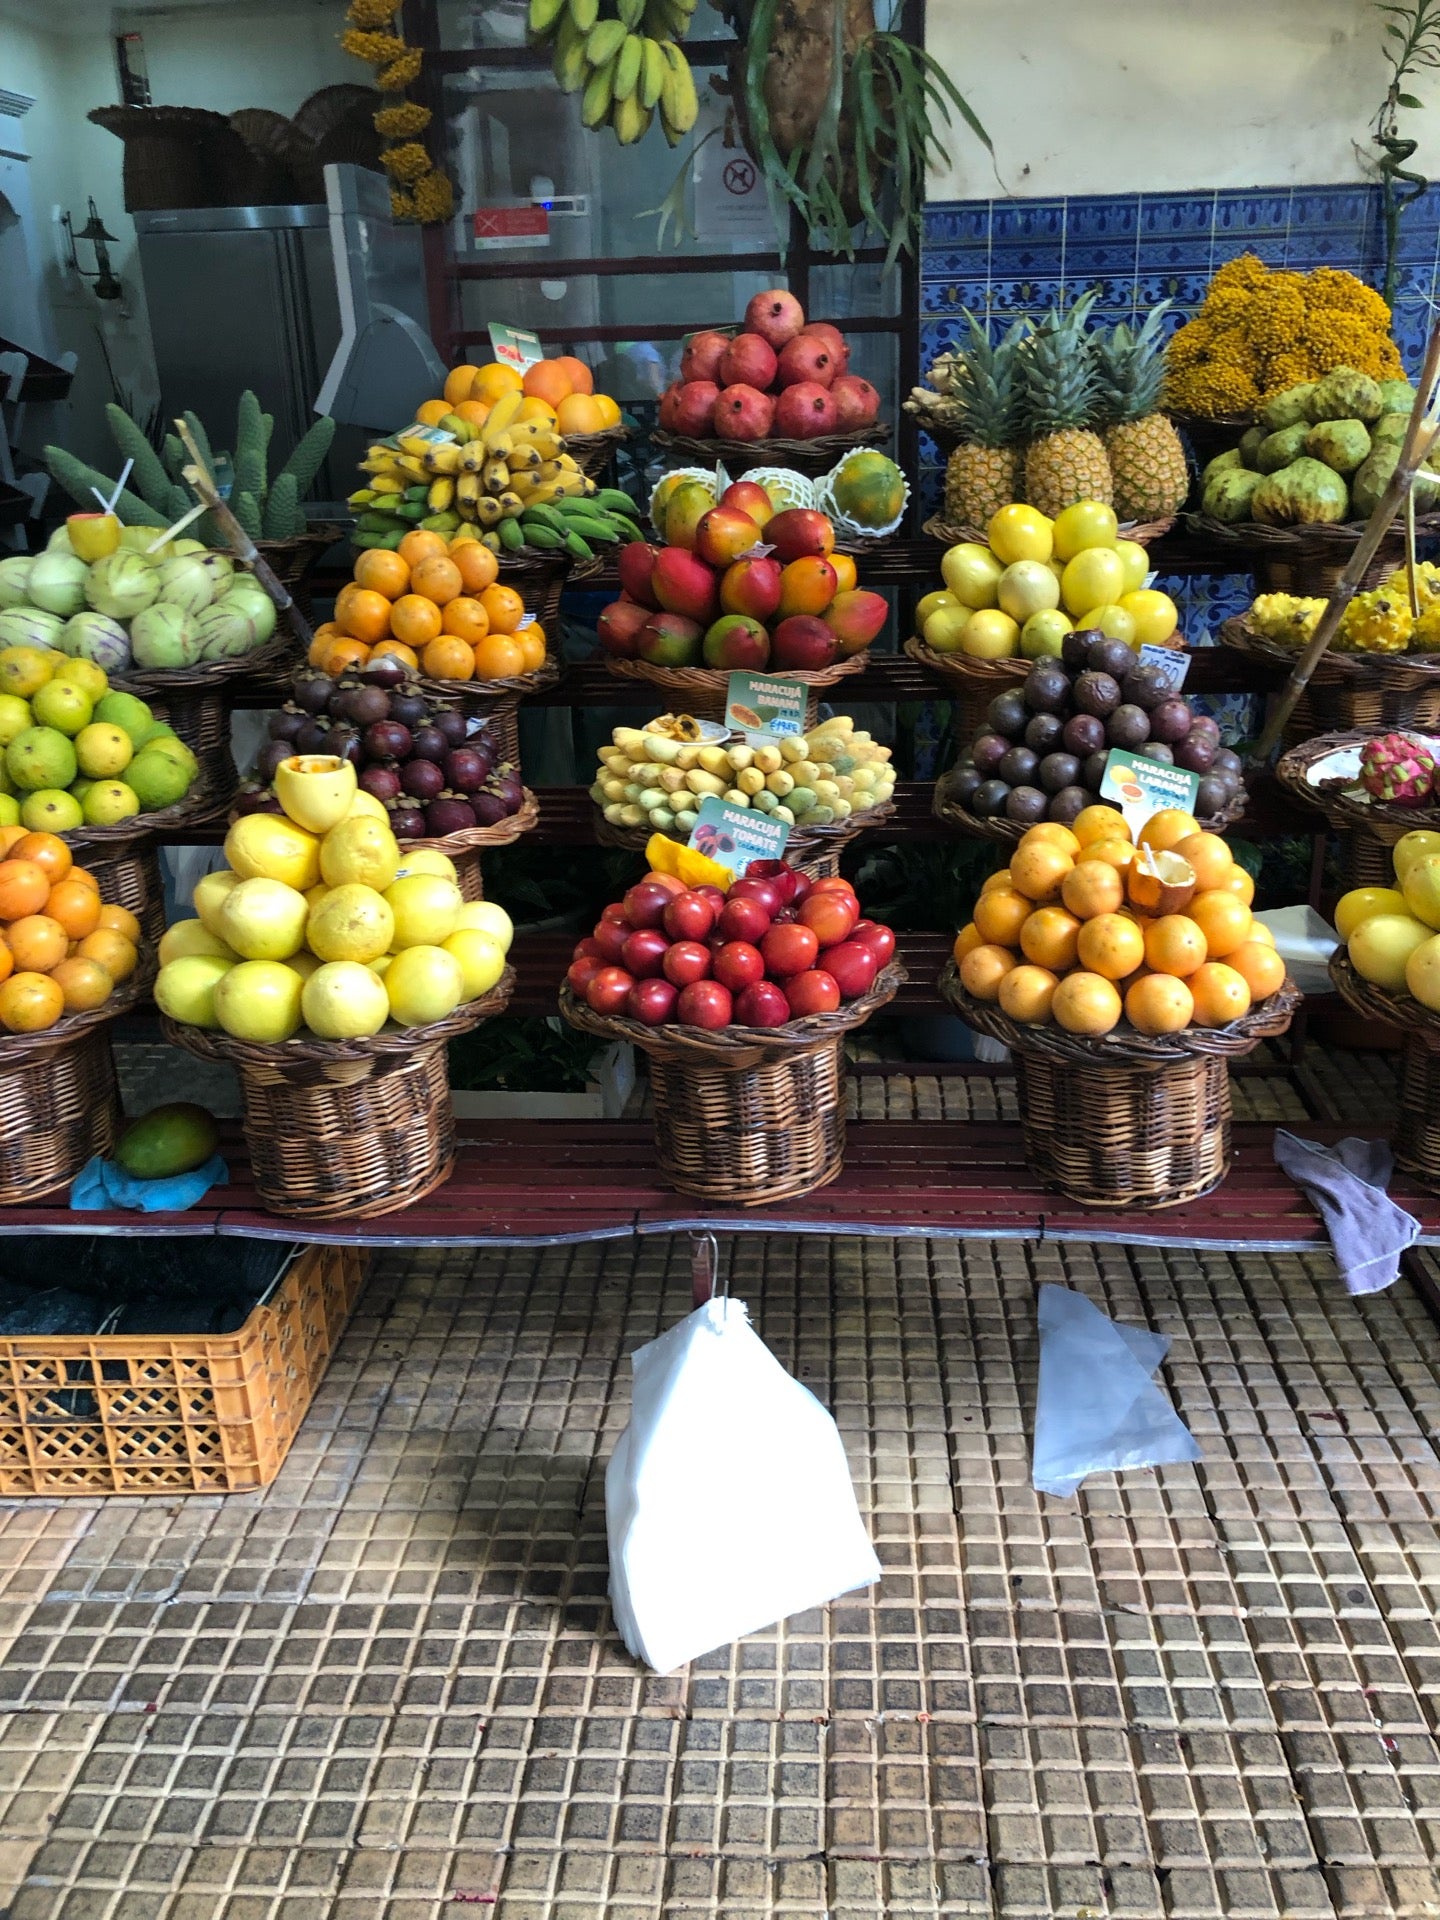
<point>403,71</point>
<point>402,204</point>
<point>373,13</point>
<point>374,48</point>
<point>407,162</point>
<point>402,122</point>
<point>434,198</point>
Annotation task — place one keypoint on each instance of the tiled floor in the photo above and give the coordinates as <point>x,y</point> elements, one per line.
<point>390,1687</point>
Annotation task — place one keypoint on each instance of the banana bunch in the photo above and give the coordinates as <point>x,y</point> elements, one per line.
<point>578,526</point>
<point>626,67</point>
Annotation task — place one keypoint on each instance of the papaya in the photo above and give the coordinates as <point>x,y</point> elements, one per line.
<point>868,489</point>
<point>168,1140</point>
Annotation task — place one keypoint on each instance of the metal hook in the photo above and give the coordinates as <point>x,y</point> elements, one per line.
<point>705,1269</point>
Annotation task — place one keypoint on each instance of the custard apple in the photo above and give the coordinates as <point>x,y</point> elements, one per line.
<point>1306,493</point>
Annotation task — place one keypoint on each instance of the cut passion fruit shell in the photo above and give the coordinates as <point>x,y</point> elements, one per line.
<point>1159,883</point>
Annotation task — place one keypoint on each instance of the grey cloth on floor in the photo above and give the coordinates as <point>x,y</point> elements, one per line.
<point>1346,1185</point>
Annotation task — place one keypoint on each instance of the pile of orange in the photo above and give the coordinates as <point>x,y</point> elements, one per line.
<point>1085,928</point>
<point>560,391</point>
<point>62,950</point>
<point>436,604</point>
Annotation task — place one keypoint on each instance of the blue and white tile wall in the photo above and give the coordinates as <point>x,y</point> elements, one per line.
<point>1002,258</point>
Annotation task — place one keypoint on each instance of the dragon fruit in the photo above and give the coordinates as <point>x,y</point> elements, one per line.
<point>1397,770</point>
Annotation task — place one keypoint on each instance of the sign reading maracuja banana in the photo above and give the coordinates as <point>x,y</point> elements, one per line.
<point>626,66</point>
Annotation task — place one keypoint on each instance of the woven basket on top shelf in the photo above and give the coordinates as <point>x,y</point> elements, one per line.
<point>746,1116</point>
<point>955,533</point>
<point>1306,560</point>
<point>593,452</point>
<point>347,1129</point>
<point>812,457</point>
<point>1008,833</point>
<point>1416,1136</point>
<point>486,696</point>
<point>1347,807</point>
<point>815,850</point>
<point>1125,1119</point>
<point>1371,692</point>
<point>59,1103</point>
<point>702,691</point>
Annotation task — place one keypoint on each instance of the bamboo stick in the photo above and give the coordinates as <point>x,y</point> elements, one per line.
<point>241,545</point>
<point>1420,438</point>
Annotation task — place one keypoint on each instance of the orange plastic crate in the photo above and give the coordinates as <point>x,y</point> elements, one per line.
<point>195,1413</point>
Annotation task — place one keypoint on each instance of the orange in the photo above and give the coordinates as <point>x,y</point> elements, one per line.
<point>466,619</point>
<point>1049,938</point>
<point>1111,945</point>
<point>1238,882</point>
<point>1259,966</point>
<point>24,888</point>
<point>366,616</point>
<point>383,572</point>
<point>1057,835</point>
<point>504,608</point>
<point>1165,830</point>
<point>478,566</point>
<point>414,620</point>
<point>1156,1003</point>
<point>1209,858</point>
<point>610,408</point>
<point>1026,993</point>
<point>493,381</point>
<point>448,659</point>
<point>342,600</point>
<point>1099,823</point>
<point>430,413</point>
<point>459,384</point>
<point>1000,913</point>
<point>1175,945</point>
<point>533,408</point>
<point>1223,918</point>
<point>47,850</point>
<point>580,413</point>
<point>30,1002</point>
<point>398,650</point>
<point>118,919</point>
<point>114,952</point>
<point>340,654</point>
<point>1259,931</point>
<point>807,585</point>
<point>547,380</point>
<point>421,543</point>
<point>7,962</point>
<point>846,574</point>
<point>473,412</point>
<point>1085,1003</point>
<point>531,642</point>
<point>84,983</point>
<point>78,909</point>
<point>1091,888</point>
<point>322,638</point>
<point>8,837</point>
<point>982,970</point>
<point>1000,878</point>
<point>576,372</point>
<point>1220,994</point>
<point>1039,869</point>
<point>438,578</point>
<point>498,657</point>
<point>85,877</point>
<point>966,941</point>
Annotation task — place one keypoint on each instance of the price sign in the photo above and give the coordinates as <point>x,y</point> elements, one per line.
<point>734,836</point>
<point>515,346</point>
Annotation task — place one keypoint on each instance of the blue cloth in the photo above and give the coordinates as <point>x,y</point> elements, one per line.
<point>1346,1186</point>
<point>102,1184</point>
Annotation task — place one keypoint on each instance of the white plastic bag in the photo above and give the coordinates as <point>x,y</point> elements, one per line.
<point>1097,1409</point>
<point>728,1501</point>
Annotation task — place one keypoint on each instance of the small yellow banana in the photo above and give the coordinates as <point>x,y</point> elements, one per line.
<point>653,67</point>
<point>388,483</point>
<point>444,458</point>
<point>441,495</point>
<point>524,458</point>
<point>467,487</point>
<point>630,120</point>
<point>473,457</point>
<point>488,512</point>
<point>501,415</point>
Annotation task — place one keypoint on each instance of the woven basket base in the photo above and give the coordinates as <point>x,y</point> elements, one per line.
<point>130,877</point>
<point>1417,1132</point>
<point>1364,861</point>
<point>749,1138</point>
<point>467,873</point>
<point>1126,1136</point>
<point>56,1111</point>
<point>202,720</point>
<point>367,1138</point>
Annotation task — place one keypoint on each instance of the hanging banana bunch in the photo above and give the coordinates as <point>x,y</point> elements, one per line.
<point>626,67</point>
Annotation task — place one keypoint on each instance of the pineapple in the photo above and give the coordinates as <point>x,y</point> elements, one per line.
<point>1375,622</point>
<point>1065,461</point>
<point>983,473</point>
<point>1146,457</point>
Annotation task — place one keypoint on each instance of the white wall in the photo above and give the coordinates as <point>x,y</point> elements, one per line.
<point>1114,95</point>
<point>228,57</point>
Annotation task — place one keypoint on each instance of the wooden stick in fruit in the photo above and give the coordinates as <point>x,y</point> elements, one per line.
<point>1420,440</point>
<point>241,545</point>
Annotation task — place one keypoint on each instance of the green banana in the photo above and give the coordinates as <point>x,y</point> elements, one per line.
<point>595,101</point>
<point>612,500</point>
<point>544,538</point>
<point>653,68</point>
<point>679,104</point>
<point>584,13</point>
<point>593,530</point>
<point>543,15</point>
<point>630,120</point>
<point>603,43</point>
<point>570,65</point>
<point>627,66</point>
<point>631,13</point>
<point>580,549</point>
<point>511,536</point>
<point>544,516</point>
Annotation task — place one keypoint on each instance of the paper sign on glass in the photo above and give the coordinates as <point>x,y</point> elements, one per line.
<point>734,836</point>
<point>1142,787</point>
<point>1171,661</point>
<point>515,346</point>
<point>765,706</point>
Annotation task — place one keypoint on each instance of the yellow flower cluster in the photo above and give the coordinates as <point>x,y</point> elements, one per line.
<point>403,71</point>
<point>373,48</point>
<point>434,197</point>
<point>408,162</point>
<point>1261,331</point>
<point>418,191</point>
<point>402,122</point>
<point>373,13</point>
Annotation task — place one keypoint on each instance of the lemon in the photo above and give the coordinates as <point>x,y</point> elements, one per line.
<point>344,1001</point>
<point>1155,615</point>
<point>86,675</point>
<point>62,705</point>
<point>990,635</point>
<point>1137,564</point>
<point>1113,620</point>
<point>1094,578</point>
<point>1089,523</point>
<point>24,670</point>
<point>1020,533</point>
<point>51,811</point>
<point>102,751</point>
<point>931,603</point>
<point>14,717</point>
<point>972,574</point>
<point>109,802</point>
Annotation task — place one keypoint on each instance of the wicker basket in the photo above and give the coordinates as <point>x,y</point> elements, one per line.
<point>953,533</point>
<point>1209,435</point>
<point>812,457</point>
<point>1008,833</point>
<point>1416,1137</point>
<point>814,849</point>
<point>488,696</point>
<point>593,452</point>
<point>747,1116</point>
<point>293,561</point>
<point>59,1103</point>
<point>1368,692</point>
<point>1306,560</point>
<point>1126,1120</point>
<point>702,691</point>
<point>174,156</point>
<point>1347,809</point>
<point>129,877</point>
<point>347,1129</point>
